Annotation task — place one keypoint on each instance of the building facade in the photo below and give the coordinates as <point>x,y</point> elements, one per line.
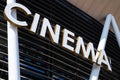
<point>40,59</point>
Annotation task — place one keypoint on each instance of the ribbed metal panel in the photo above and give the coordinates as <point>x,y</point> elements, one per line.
<point>41,60</point>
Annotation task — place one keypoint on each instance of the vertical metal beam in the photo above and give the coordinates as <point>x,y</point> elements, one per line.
<point>13,49</point>
<point>96,69</point>
<point>116,30</point>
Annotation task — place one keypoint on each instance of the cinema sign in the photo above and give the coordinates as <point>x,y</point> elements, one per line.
<point>54,33</point>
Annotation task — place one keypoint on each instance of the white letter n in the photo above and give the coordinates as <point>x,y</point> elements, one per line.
<point>54,35</point>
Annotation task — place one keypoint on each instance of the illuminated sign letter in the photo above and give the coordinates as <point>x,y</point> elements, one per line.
<point>8,11</point>
<point>35,23</point>
<point>66,38</point>
<point>54,35</point>
<point>103,59</point>
<point>86,53</point>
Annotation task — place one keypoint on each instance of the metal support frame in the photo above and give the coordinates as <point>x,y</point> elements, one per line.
<point>96,69</point>
<point>13,49</point>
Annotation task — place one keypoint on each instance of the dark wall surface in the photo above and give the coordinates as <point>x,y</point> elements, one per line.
<point>41,60</point>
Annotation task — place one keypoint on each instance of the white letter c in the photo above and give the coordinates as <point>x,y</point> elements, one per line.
<point>11,19</point>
